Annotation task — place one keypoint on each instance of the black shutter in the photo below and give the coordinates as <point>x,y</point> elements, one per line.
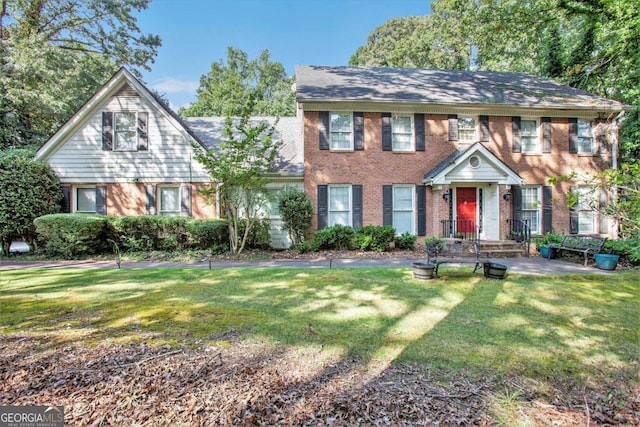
<point>101,199</point>
<point>107,130</point>
<point>453,127</point>
<point>358,131</point>
<point>421,202</point>
<point>386,132</point>
<point>143,131</point>
<point>356,213</point>
<point>516,202</point>
<point>600,138</point>
<point>65,203</point>
<point>185,200</point>
<point>515,128</point>
<point>151,199</point>
<point>323,129</point>
<point>573,135</point>
<point>387,205</point>
<point>573,218</point>
<point>547,209</point>
<point>484,128</point>
<point>546,134</point>
<point>418,119</point>
<point>323,206</point>
<point>604,219</point>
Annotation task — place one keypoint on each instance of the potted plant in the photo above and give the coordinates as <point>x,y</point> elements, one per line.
<point>544,245</point>
<point>606,261</point>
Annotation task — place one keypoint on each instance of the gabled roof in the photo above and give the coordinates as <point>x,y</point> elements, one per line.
<point>289,161</point>
<point>442,87</point>
<point>115,83</point>
<point>502,174</point>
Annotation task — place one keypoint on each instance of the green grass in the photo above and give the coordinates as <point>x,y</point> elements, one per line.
<point>538,326</point>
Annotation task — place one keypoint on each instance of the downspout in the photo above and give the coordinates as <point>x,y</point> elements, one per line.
<point>614,165</point>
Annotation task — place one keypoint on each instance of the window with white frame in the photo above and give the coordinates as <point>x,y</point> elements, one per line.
<point>125,131</point>
<point>341,131</point>
<point>85,200</point>
<point>585,137</point>
<point>467,129</point>
<point>339,204</point>
<point>529,136</point>
<point>531,205</point>
<point>169,201</point>
<point>402,132</point>
<point>403,208</point>
<point>586,207</point>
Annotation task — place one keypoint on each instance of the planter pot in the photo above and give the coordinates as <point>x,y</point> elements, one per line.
<point>422,270</point>
<point>606,261</point>
<point>547,252</point>
<point>494,270</point>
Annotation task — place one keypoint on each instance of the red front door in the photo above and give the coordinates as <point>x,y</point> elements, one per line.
<point>466,209</point>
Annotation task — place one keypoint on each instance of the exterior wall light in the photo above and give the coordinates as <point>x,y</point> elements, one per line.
<point>507,196</point>
<point>445,196</point>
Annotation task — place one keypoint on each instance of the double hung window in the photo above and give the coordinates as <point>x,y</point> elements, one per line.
<point>341,131</point>
<point>467,129</point>
<point>531,205</point>
<point>169,201</point>
<point>402,132</point>
<point>529,136</point>
<point>403,208</point>
<point>85,200</point>
<point>125,131</point>
<point>339,197</point>
<point>585,137</point>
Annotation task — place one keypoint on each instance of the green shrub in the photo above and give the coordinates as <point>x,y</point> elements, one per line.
<point>135,233</point>
<point>259,237</point>
<point>28,189</point>
<point>405,240</point>
<point>625,248</point>
<point>296,211</point>
<point>172,233</point>
<point>375,237</point>
<point>72,235</point>
<point>336,237</point>
<point>303,247</point>
<point>547,239</point>
<point>211,234</point>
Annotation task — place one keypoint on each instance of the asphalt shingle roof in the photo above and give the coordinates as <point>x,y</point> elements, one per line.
<point>327,83</point>
<point>210,131</point>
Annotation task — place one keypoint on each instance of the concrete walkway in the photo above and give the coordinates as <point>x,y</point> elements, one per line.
<point>533,265</point>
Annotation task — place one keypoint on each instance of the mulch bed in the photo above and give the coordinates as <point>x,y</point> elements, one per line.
<point>247,383</point>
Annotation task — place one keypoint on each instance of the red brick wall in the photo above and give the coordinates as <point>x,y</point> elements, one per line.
<point>374,168</point>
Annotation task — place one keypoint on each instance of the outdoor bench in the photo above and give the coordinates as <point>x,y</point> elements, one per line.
<point>454,251</point>
<point>586,245</point>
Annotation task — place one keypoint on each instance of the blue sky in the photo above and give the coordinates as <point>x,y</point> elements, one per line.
<point>196,33</point>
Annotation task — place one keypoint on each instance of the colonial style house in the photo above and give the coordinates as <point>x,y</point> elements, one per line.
<point>430,152</point>
<point>438,153</point>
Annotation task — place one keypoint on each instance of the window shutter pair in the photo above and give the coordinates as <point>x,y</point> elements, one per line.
<point>101,199</point>
<point>387,207</point>
<point>107,131</point>
<point>185,200</point>
<point>356,206</point>
<point>419,129</point>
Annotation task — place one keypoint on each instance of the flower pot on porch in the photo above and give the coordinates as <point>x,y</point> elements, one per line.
<point>606,261</point>
<point>547,252</point>
<point>423,270</point>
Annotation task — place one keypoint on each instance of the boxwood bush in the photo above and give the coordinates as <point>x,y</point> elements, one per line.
<point>212,234</point>
<point>375,237</point>
<point>72,235</point>
<point>336,237</point>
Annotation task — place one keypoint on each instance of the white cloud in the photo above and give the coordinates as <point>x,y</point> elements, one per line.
<point>171,85</point>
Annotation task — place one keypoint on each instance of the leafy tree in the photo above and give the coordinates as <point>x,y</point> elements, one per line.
<point>54,54</point>
<point>227,87</point>
<point>28,189</point>
<point>297,213</point>
<point>239,166</point>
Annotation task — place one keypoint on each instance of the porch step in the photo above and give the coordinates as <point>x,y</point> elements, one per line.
<point>502,249</point>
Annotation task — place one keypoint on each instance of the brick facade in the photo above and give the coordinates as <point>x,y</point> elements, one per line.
<point>373,167</point>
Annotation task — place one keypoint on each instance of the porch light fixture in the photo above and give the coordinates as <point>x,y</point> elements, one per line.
<point>445,196</point>
<point>507,196</point>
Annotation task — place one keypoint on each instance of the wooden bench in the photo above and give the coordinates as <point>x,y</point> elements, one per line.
<point>586,245</point>
<point>453,251</point>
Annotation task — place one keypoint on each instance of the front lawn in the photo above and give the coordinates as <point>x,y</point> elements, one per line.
<point>529,335</point>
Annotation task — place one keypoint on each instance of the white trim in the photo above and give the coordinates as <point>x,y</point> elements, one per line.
<point>330,220</point>
<point>412,191</point>
<point>351,144</point>
<point>412,137</point>
<point>475,128</point>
